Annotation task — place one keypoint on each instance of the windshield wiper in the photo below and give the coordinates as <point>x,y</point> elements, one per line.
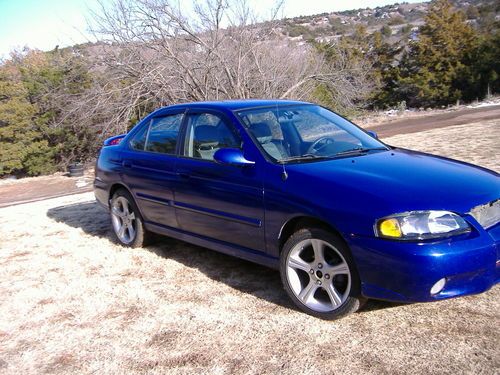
<point>354,151</point>
<point>303,157</point>
<point>358,151</point>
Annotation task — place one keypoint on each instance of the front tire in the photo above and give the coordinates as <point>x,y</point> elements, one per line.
<point>319,275</point>
<point>127,221</point>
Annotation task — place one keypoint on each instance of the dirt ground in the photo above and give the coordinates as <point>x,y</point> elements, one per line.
<point>384,117</point>
<point>33,189</point>
<point>405,124</point>
<point>74,301</point>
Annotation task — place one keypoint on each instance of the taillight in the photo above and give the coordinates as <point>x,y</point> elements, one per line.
<point>114,141</point>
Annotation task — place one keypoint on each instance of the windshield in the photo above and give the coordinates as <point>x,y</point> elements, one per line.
<point>306,132</point>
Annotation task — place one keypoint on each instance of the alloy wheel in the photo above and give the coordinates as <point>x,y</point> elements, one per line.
<point>318,275</point>
<point>123,219</point>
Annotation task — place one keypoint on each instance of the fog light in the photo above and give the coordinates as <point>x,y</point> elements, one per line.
<point>436,288</point>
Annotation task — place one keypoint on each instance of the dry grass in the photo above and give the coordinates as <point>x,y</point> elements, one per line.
<point>73,301</point>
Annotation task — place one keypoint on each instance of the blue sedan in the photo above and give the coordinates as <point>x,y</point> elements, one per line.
<point>294,186</point>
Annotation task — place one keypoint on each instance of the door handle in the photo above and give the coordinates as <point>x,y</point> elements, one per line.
<point>127,164</point>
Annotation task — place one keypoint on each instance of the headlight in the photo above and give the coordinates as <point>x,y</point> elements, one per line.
<point>421,225</point>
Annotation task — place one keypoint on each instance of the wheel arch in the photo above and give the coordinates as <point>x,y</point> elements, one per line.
<point>116,186</point>
<point>299,222</point>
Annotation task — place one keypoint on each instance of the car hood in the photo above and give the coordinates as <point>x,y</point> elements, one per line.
<point>398,180</point>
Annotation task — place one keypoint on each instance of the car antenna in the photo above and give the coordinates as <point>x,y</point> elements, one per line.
<point>284,174</point>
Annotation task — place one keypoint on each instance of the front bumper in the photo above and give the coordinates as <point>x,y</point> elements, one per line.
<point>406,271</point>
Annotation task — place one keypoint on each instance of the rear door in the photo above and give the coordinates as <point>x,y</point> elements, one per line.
<point>149,167</point>
<point>219,201</point>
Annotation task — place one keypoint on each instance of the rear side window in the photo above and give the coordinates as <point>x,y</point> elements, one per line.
<point>139,140</point>
<point>160,135</point>
<point>163,134</point>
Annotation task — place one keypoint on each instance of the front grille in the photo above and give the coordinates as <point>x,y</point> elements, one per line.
<point>487,214</point>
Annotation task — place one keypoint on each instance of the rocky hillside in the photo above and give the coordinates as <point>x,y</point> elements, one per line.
<point>396,21</point>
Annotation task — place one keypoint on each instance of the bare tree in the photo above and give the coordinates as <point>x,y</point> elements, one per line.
<point>157,52</point>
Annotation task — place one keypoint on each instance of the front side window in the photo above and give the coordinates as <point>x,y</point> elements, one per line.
<point>205,134</point>
<point>306,132</point>
<point>163,134</point>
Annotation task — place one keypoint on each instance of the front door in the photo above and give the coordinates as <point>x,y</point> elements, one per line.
<point>219,201</point>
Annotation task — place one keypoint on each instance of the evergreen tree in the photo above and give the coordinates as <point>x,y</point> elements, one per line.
<point>482,75</point>
<point>22,147</point>
<point>386,31</point>
<point>434,67</point>
<point>36,134</point>
<point>385,70</point>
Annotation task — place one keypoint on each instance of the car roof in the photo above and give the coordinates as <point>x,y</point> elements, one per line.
<point>235,104</point>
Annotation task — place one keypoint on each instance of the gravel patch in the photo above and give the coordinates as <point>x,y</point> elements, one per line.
<point>74,301</point>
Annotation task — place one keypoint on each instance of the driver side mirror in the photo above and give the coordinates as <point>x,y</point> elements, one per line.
<point>232,156</point>
<point>372,133</point>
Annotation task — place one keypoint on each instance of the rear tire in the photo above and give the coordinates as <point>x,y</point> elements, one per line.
<point>319,275</point>
<point>127,221</point>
